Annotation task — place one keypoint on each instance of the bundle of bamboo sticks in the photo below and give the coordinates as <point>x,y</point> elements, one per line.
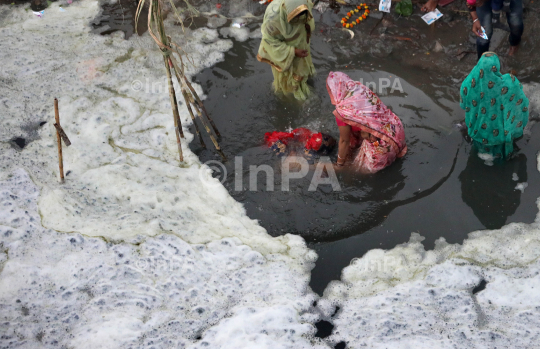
<point>172,58</point>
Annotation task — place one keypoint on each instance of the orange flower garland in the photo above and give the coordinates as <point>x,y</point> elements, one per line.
<point>345,19</point>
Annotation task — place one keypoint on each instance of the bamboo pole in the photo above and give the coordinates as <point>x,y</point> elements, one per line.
<point>212,138</point>
<point>194,122</point>
<point>59,141</point>
<point>177,123</point>
<point>180,81</point>
<point>188,97</point>
<point>156,30</point>
<point>196,96</point>
<point>202,107</point>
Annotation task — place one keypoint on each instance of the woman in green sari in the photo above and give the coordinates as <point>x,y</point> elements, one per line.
<point>496,109</point>
<point>286,32</point>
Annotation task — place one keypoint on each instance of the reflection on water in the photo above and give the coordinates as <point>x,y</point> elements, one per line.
<point>490,190</point>
<point>119,16</point>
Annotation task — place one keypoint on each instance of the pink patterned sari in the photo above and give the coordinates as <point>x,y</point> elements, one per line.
<point>357,106</point>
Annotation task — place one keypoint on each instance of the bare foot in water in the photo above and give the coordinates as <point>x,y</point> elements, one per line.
<point>513,50</point>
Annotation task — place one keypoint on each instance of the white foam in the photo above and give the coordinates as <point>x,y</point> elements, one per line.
<point>413,298</point>
<point>83,292</point>
<point>138,250</point>
<point>239,34</point>
<point>135,249</point>
<point>256,34</point>
<point>521,186</point>
<point>216,21</point>
<point>488,158</point>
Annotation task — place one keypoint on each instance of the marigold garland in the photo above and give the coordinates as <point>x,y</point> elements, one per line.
<point>359,19</point>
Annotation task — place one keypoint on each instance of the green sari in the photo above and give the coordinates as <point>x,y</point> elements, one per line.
<point>282,32</point>
<point>496,109</point>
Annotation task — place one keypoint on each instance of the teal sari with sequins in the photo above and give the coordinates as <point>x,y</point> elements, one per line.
<point>496,109</point>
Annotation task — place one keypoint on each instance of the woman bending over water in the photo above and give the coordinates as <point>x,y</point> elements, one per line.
<point>496,109</point>
<point>366,123</point>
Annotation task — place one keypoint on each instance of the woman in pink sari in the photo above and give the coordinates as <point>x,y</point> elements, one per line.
<point>364,122</point>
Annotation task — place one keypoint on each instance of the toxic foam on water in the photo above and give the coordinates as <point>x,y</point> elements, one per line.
<point>135,249</point>
<point>239,31</point>
<point>521,186</point>
<point>76,291</point>
<point>488,158</point>
<point>481,294</point>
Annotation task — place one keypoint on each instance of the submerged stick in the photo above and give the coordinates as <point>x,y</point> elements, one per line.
<point>202,106</point>
<point>188,106</point>
<point>177,123</point>
<point>59,141</point>
<point>189,99</point>
<point>181,77</point>
<point>212,138</point>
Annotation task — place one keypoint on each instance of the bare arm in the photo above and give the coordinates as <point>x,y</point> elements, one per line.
<point>300,53</point>
<point>476,26</point>
<point>344,141</point>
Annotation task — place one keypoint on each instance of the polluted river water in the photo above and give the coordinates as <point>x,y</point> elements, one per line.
<point>440,189</point>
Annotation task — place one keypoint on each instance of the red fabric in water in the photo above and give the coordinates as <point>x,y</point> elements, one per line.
<point>272,137</point>
<point>314,142</point>
<point>302,135</point>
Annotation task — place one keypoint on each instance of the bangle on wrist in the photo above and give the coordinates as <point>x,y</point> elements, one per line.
<point>475,20</point>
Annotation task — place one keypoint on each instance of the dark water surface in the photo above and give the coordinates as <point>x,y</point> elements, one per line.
<point>439,189</point>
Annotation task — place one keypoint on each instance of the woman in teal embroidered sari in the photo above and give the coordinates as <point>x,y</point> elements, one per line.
<point>496,109</point>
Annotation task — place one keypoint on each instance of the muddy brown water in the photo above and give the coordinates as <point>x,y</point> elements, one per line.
<point>439,189</point>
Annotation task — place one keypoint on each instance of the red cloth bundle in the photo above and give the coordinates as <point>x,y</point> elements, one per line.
<point>301,135</point>
<point>272,137</point>
<point>310,140</point>
<point>314,142</point>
